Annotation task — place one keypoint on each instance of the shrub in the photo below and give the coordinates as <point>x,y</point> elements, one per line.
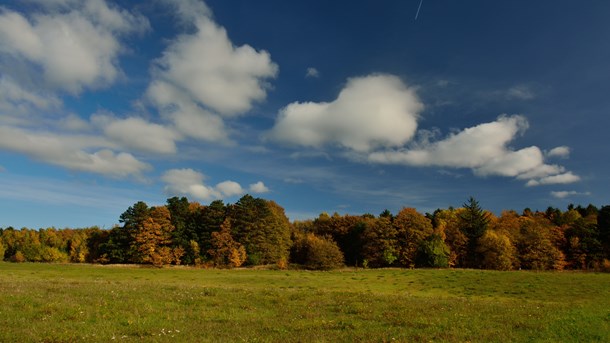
<point>317,253</point>
<point>433,252</point>
<point>18,257</point>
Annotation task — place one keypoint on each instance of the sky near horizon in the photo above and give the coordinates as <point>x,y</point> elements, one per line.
<point>322,106</point>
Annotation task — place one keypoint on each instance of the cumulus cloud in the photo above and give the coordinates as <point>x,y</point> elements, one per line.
<point>258,187</point>
<point>202,76</point>
<point>564,178</point>
<point>560,151</point>
<point>83,153</point>
<point>215,73</point>
<point>370,112</point>
<point>191,183</point>
<point>229,188</point>
<point>75,43</point>
<point>473,147</point>
<point>188,117</point>
<point>483,148</point>
<point>188,182</point>
<point>138,134</point>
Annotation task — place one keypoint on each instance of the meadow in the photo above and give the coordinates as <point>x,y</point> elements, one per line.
<point>94,303</point>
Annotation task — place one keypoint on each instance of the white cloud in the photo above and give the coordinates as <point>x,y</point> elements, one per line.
<point>211,70</point>
<point>84,153</point>
<point>188,182</point>
<point>191,183</point>
<point>484,149</point>
<point>560,151</point>
<point>473,147</point>
<point>76,46</point>
<point>188,117</point>
<point>564,178</point>
<point>258,187</point>
<point>229,188</point>
<point>136,133</point>
<point>15,98</point>
<point>370,112</point>
<point>565,194</point>
<point>312,73</point>
<point>73,122</point>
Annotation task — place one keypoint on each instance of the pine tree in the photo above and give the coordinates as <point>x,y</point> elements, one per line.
<point>474,223</point>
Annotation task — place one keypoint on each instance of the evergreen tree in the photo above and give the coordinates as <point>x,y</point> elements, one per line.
<point>474,223</point>
<point>603,226</point>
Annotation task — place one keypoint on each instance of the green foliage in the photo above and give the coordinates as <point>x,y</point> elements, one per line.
<point>380,246</point>
<point>433,253</point>
<point>603,224</point>
<point>474,223</point>
<point>189,233</point>
<point>346,231</point>
<point>262,228</point>
<point>120,245</point>
<point>317,253</point>
<point>52,254</point>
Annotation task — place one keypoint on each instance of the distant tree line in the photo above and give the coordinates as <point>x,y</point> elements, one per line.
<point>255,231</point>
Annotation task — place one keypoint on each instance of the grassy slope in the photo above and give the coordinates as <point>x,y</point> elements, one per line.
<point>43,302</point>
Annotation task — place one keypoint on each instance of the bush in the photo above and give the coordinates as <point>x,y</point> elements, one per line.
<point>317,253</point>
<point>18,257</point>
<point>433,252</point>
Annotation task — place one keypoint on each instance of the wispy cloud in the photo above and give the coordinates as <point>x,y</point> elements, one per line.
<point>565,194</point>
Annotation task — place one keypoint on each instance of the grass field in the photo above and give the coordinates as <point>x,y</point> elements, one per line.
<point>68,303</point>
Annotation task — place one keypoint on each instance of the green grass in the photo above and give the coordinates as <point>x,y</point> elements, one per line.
<point>68,303</point>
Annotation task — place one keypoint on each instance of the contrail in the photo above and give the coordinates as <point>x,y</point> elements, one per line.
<point>418,8</point>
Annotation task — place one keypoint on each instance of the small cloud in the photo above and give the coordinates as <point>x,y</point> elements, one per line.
<point>564,178</point>
<point>450,173</point>
<point>229,188</point>
<point>2,169</point>
<point>190,182</point>
<point>520,92</point>
<point>258,149</point>
<point>312,73</point>
<point>565,194</point>
<point>443,83</point>
<point>259,187</point>
<point>560,151</point>
<point>293,180</point>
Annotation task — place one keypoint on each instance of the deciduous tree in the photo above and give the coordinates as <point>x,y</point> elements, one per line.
<point>411,229</point>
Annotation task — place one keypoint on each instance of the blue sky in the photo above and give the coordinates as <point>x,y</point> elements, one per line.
<point>346,106</point>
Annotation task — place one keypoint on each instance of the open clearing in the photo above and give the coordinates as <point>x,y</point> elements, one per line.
<point>67,303</point>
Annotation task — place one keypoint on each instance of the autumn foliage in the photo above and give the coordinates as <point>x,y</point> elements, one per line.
<point>255,231</point>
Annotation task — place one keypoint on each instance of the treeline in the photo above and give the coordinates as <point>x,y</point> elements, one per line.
<point>256,231</point>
